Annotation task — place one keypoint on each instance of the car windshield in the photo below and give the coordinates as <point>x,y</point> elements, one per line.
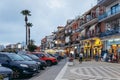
<point>16,57</point>
<point>26,57</point>
<point>33,56</point>
<point>47,55</point>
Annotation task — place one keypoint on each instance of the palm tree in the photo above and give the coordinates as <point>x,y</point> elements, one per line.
<point>26,13</point>
<point>29,25</point>
<point>32,42</point>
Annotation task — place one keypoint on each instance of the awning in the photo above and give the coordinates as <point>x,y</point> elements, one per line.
<point>50,51</point>
<point>93,27</point>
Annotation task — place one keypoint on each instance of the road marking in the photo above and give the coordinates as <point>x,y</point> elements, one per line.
<point>62,72</point>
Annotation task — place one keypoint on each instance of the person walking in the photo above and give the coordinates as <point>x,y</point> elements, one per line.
<point>80,57</point>
<point>96,57</point>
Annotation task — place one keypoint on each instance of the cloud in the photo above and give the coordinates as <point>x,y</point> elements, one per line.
<point>47,15</point>
<point>55,4</point>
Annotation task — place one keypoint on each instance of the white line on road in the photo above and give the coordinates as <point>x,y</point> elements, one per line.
<point>62,72</point>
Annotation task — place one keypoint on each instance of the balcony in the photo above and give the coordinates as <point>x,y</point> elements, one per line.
<point>90,22</point>
<point>110,32</point>
<point>105,2</point>
<point>110,15</point>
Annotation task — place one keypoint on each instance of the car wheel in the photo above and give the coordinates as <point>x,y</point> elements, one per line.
<point>49,63</point>
<point>16,73</point>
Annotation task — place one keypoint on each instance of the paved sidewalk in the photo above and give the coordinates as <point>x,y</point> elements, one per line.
<point>90,70</point>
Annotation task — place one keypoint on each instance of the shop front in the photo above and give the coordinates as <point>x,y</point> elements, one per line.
<point>97,46</point>
<point>87,49</point>
<point>92,47</point>
<point>113,45</point>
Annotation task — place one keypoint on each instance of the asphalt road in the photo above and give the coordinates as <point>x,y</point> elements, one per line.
<point>50,73</point>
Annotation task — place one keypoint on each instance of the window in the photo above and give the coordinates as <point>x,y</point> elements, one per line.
<point>114,9</point>
<point>3,58</point>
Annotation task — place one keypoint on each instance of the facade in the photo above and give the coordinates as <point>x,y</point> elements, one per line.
<point>110,21</point>
<point>1,47</point>
<point>90,34</point>
<point>50,42</point>
<point>59,39</point>
<point>95,31</point>
<point>43,44</point>
<point>15,47</point>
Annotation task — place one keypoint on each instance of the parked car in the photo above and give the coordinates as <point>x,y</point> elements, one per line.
<point>49,59</point>
<point>35,58</point>
<point>17,64</point>
<point>5,73</point>
<point>31,60</point>
<point>57,56</point>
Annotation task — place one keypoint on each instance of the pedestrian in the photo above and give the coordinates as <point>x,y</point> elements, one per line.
<point>96,57</point>
<point>110,57</point>
<point>80,57</point>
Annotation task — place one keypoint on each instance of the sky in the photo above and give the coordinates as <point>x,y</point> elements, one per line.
<point>46,16</point>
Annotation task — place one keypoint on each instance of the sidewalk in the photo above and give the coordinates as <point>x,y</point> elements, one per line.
<point>90,70</point>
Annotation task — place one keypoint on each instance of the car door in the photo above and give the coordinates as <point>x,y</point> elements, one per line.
<point>4,60</point>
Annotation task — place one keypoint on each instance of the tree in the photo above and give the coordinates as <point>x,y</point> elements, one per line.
<point>32,46</point>
<point>29,25</point>
<point>26,13</point>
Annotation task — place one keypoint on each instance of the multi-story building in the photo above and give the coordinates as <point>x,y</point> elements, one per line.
<point>89,32</point>
<point>68,33</point>
<point>43,44</point>
<point>59,39</point>
<point>49,42</point>
<point>96,30</point>
<point>110,23</point>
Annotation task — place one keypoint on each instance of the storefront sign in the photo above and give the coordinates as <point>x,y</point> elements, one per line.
<point>113,41</point>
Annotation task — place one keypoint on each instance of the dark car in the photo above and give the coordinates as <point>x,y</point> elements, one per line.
<point>17,64</point>
<point>35,58</point>
<point>31,60</point>
<point>57,56</point>
<point>5,73</point>
<point>49,59</point>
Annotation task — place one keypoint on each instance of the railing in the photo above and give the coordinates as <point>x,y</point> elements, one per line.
<point>109,13</point>
<point>108,33</point>
<point>100,1</point>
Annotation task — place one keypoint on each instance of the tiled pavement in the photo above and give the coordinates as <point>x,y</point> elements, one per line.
<point>90,70</point>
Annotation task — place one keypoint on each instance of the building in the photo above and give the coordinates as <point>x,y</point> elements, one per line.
<point>59,39</point>
<point>95,31</point>
<point>110,23</point>
<point>2,47</point>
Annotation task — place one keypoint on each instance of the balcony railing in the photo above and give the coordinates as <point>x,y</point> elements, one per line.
<point>110,13</point>
<point>100,1</point>
<point>110,32</point>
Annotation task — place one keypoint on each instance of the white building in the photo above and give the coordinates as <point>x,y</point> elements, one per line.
<point>1,47</point>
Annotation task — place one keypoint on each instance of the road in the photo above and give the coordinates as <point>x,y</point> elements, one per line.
<point>50,73</point>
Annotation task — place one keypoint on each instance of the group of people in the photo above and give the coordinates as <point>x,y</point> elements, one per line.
<point>103,57</point>
<point>72,56</point>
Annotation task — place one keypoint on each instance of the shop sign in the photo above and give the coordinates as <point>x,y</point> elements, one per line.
<point>113,41</point>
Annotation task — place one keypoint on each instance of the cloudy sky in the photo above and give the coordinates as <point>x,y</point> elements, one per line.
<point>46,16</point>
